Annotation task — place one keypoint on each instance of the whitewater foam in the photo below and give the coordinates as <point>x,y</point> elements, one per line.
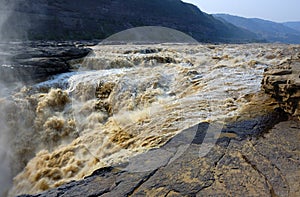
<point>130,102</point>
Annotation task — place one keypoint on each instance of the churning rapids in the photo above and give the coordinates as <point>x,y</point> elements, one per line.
<point>122,101</point>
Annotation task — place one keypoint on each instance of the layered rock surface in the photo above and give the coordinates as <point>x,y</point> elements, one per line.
<point>33,61</point>
<point>283,83</point>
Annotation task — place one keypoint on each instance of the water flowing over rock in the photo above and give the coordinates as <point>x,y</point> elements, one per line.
<point>157,120</point>
<point>265,166</point>
<point>283,83</point>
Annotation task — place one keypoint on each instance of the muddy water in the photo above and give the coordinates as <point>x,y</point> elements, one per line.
<point>125,100</point>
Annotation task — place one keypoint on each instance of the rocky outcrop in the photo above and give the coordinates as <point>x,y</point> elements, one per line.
<point>34,61</point>
<point>98,19</point>
<point>283,83</point>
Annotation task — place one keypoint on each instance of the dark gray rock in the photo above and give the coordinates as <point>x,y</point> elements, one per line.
<point>34,61</point>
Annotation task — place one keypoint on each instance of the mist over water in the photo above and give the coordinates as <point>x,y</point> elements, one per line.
<point>127,100</point>
<point>123,101</point>
<point>5,152</point>
<point>7,159</point>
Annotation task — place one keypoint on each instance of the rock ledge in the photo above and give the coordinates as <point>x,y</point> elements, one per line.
<point>282,82</point>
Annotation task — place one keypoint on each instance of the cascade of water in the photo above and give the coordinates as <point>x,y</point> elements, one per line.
<point>137,98</point>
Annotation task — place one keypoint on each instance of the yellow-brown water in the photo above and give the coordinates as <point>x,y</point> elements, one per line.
<point>125,100</point>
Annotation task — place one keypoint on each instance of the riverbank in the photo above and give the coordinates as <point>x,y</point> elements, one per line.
<point>150,107</point>
<point>266,164</point>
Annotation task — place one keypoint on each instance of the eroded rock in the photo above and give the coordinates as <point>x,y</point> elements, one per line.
<point>34,61</point>
<point>283,83</point>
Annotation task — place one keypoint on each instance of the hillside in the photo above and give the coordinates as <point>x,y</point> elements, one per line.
<point>98,19</point>
<point>293,25</point>
<point>268,30</point>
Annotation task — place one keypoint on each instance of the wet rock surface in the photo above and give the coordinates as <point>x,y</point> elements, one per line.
<point>283,83</point>
<point>256,154</point>
<point>254,166</point>
<point>33,61</point>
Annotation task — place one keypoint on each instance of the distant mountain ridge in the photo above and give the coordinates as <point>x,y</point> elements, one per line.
<point>267,30</point>
<point>98,19</point>
<point>293,25</point>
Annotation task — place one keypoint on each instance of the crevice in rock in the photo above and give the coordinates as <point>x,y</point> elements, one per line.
<point>167,193</point>
<point>272,192</point>
<point>274,166</point>
<point>216,163</point>
<point>141,182</point>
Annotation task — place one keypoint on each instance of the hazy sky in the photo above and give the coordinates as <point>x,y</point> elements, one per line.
<point>275,10</point>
